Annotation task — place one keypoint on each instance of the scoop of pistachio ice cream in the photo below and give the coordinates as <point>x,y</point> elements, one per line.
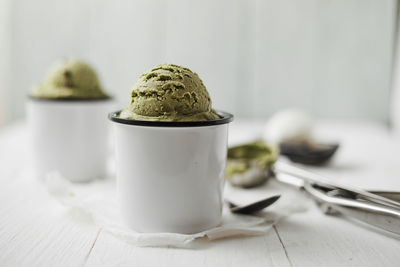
<point>169,93</point>
<point>70,79</point>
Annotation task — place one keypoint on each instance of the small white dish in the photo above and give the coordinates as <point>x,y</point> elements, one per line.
<point>70,137</point>
<point>170,175</point>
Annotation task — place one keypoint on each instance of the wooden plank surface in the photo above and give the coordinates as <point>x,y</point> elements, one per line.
<point>315,239</point>
<point>253,251</point>
<point>36,231</point>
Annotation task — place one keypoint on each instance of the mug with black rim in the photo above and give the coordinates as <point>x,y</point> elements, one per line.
<point>69,136</point>
<point>170,175</point>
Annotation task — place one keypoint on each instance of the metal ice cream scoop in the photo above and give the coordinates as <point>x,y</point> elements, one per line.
<point>379,209</point>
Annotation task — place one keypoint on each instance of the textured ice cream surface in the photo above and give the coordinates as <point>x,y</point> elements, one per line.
<point>70,79</point>
<point>169,93</point>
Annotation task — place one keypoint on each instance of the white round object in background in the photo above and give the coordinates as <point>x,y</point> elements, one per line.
<point>288,125</point>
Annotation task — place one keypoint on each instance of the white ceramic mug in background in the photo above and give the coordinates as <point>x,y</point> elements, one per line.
<point>170,175</point>
<point>70,137</point>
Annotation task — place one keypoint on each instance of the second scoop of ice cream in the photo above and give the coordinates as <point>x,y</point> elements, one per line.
<point>70,79</point>
<point>169,93</point>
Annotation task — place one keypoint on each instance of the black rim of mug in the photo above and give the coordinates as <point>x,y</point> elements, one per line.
<point>226,118</point>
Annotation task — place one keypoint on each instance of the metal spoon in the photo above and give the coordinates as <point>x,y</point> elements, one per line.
<point>253,207</point>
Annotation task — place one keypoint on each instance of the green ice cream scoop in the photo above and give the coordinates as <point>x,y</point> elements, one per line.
<point>240,157</point>
<point>169,93</point>
<point>71,79</point>
<point>250,164</point>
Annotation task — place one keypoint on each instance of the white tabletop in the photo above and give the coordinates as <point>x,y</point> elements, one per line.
<point>37,231</point>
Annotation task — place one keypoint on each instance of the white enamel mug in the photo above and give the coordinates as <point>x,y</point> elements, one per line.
<point>70,137</point>
<point>170,175</point>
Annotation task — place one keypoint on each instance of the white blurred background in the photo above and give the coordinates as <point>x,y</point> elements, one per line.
<point>332,58</point>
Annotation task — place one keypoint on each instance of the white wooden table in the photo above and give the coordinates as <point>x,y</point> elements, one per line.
<point>37,231</point>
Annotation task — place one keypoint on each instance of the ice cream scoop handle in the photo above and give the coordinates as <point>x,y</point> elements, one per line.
<point>384,217</point>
